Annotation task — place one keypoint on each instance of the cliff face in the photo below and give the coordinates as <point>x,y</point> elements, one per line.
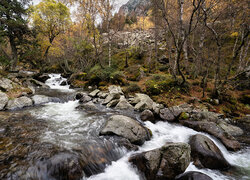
<point>138,7</point>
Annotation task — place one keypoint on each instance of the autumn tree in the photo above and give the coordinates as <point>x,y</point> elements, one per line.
<point>50,18</point>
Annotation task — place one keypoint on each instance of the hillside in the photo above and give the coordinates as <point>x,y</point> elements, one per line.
<point>137,7</point>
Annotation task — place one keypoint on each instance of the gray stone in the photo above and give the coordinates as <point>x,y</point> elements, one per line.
<point>206,154</point>
<point>40,99</point>
<point>113,103</point>
<point>115,90</point>
<point>19,103</point>
<point>35,83</point>
<point>142,102</point>
<point>126,127</point>
<point>94,93</point>
<point>124,104</point>
<point>102,95</point>
<point>111,97</point>
<point>163,163</point>
<point>230,129</point>
<point>5,84</point>
<point>147,115</point>
<point>85,99</point>
<point>3,100</point>
<point>90,106</point>
<point>157,107</point>
<point>213,129</point>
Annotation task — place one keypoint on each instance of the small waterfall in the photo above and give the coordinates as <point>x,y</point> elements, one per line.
<point>55,82</point>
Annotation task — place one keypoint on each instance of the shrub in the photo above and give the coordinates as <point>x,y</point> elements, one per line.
<point>117,77</point>
<point>133,73</point>
<point>133,87</point>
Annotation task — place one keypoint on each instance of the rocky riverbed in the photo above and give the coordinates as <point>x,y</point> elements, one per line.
<point>58,133</point>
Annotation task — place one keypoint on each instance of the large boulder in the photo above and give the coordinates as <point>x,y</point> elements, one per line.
<point>18,103</point>
<point>206,154</point>
<point>3,100</point>
<point>164,163</point>
<point>5,84</point>
<point>40,99</point>
<point>175,159</point>
<point>126,127</point>
<point>213,129</point>
<point>193,175</point>
<point>142,102</point>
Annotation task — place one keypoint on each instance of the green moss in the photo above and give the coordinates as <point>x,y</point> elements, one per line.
<point>183,116</point>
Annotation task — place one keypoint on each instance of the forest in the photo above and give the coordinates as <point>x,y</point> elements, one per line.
<point>167,55</point>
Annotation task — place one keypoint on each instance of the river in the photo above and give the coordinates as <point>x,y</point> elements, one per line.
<point>65,127</point>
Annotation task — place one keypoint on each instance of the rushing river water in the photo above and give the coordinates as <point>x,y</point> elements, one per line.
<point>69,128</point>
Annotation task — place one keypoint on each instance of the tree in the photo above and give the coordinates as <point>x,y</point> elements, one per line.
<point>50,18</point>
<point>13,25</point>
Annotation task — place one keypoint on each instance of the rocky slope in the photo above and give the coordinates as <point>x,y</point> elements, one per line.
<point>139,7</point>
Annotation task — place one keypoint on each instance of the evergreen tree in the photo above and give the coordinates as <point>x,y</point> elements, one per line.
<point>13,25</point>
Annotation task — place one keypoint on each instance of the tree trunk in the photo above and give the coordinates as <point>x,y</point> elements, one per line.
<point>14,54</point>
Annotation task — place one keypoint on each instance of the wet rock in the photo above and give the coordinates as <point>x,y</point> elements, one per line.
<point>102,95</point>
<point>26,74</point>
<point>147,162</point>
<point>79,95</point>
<point>213,129</point>
<point>95,156</point>
<point>126,127</point>
<point>163,163</point>
<point>124,104</point>
<point>111,97</point>
<point>147,115</point>
<point>90,106</point>
<point>35,83</point>
<point>19,103</point>
<point>171,113</point>
<point>63,83</point>
<point>85,99</point>
<point>122,142</point>
<point>5,84</point>
<point>61,166</point>
<point>206,154</point>
<point>113,103</point>
<point>142,102</point>
<point>175,160</point>
<point>3,100</point>
<point>193,175</point>
<point>40,99</point>
<point>42,78</point>
<point>94,93</point>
